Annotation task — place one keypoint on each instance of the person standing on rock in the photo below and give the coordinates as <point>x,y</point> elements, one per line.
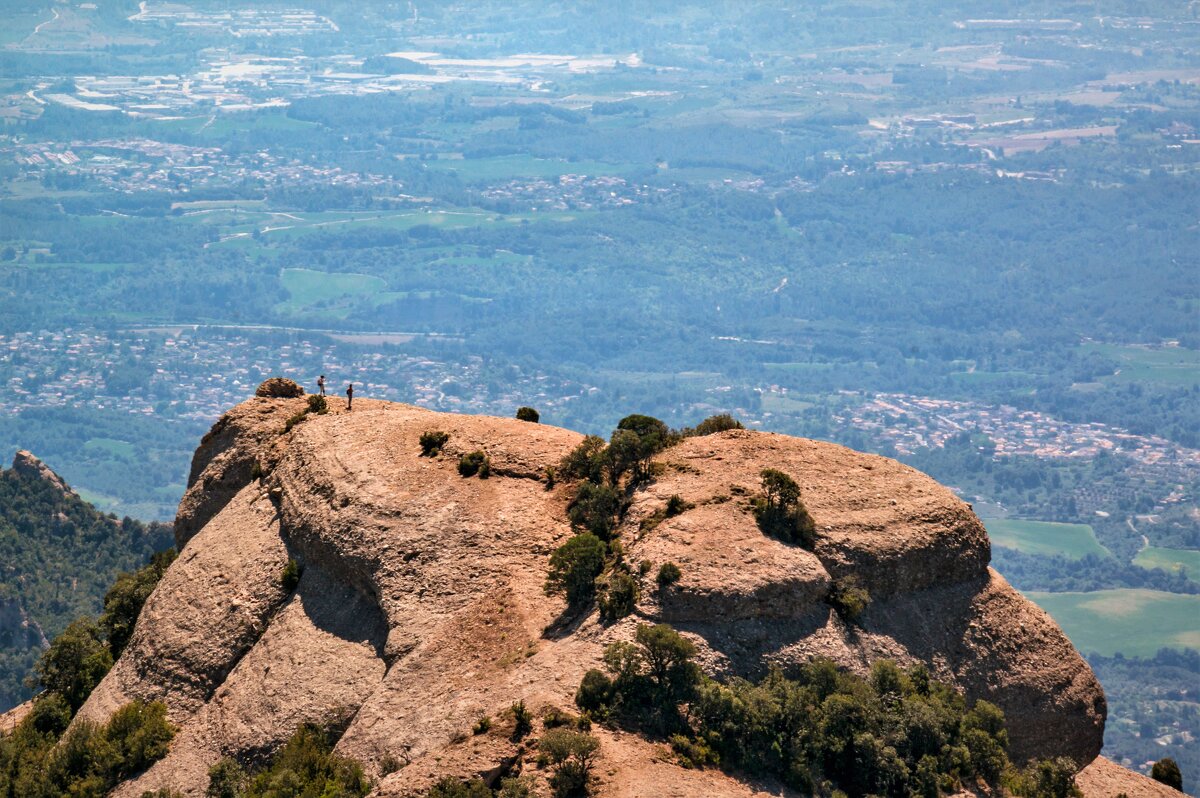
<point>321,385</point>
<point>350,396</point>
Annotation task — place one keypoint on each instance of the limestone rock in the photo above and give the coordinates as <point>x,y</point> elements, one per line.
<point>420,606</point>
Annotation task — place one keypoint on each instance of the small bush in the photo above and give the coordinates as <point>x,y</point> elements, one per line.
<point>317,404</point>
<point>522,720</point>
<point>528,414</point>
<point>473,463</point>
<point>693,753</point>
<point>294,419</point>
<point>1167,771</point>
<point>482,726</point>
<point>550,476</point>
<point>644,567</point>
<point>389,764</point>
<point>226,779</point>
<point>668,574</point>
<point>572,755</point>
<point>595,692</point>
<point>714,424</point>
<point>1047,778</point>
<point>139,735</point>
<point>676,506</point>
<point>574,567</point>
<point>780,513</point>
<point>849,599</point>
<point>289,577</point>
<point>517,787</point>
<point>256,470</point>
<point>555,718</point>
<point>618,596</point>
<point>432,442</point>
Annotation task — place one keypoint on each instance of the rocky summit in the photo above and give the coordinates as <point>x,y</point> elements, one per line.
<point>420,604</point>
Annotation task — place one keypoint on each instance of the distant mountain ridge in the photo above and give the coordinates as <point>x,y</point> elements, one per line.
<point>58,556</point>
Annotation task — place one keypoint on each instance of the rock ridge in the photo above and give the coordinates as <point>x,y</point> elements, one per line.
<point>420,604</point>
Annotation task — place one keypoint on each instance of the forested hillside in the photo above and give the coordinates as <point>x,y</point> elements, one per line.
<point>58,556</point>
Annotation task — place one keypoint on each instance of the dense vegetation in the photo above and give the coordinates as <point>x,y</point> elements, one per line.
<point>59,555</point>
<point>41,759</point>
<point>897,733</point>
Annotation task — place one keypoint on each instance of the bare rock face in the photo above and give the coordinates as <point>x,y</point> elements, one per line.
<point>420,606</point>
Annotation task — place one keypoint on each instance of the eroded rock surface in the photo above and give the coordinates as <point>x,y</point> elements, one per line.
<point>420,606</point>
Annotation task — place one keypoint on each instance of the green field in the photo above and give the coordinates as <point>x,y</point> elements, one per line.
<point>1044,537</point>
<point>1170,560</point>
<point>307,288</point>
<point>778,403</point>
<point>1133,622</point>
<point>110,447</point>
<point>1175,365</point>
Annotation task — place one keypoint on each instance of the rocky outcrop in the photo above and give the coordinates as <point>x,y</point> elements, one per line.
<point>279,388</point>
<point>420,606</point>
<point>1106,779</point>
<point>28,466</point>
<point>17,629</point>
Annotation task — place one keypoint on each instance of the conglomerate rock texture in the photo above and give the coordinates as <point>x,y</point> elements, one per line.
<point>420,606</point>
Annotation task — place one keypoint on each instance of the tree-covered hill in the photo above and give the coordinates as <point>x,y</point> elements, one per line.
<point>58,555</point>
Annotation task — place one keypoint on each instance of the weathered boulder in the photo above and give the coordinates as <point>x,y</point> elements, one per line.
<point>420,606</point>
<point>279,388</point>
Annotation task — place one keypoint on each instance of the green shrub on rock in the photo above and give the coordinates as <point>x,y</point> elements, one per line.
<point>473,463</point>
<point>528,414</point>
<point>715,424</point>
<point>1167,772</point>
<point>668,574</point>
<point>849,599</point>
<point>572,755</point>
<point>780,513</point>
<point>432,442</point>
<point>574,567</point>
<point>618,596</point>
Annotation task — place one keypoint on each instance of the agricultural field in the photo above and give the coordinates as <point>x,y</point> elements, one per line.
<point>1173,365</point>
<point>1044,537</point>
<point>1134,622</point>
<point>1170,560</point>
<point>308,289</point>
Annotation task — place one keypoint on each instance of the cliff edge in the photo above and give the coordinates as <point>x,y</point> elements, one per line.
<point>420,605</point>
